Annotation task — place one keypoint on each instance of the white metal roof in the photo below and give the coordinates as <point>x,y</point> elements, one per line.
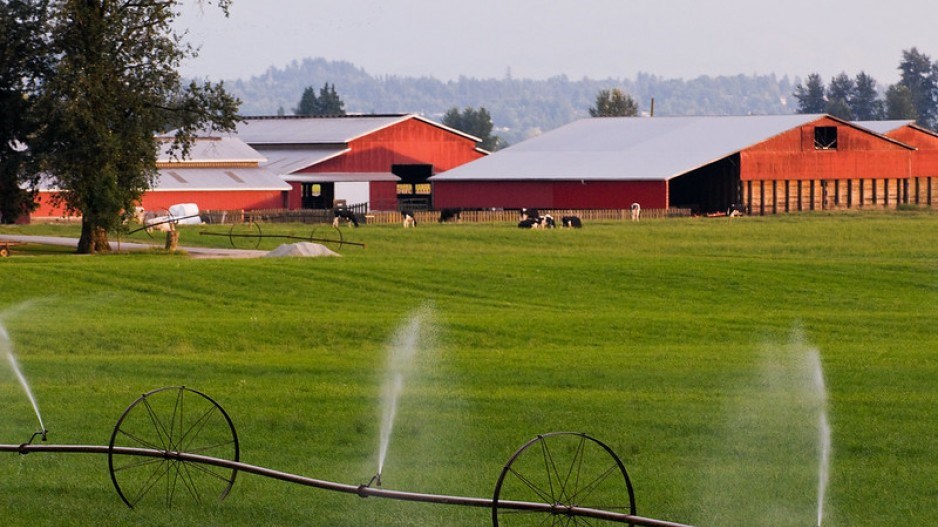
<point>214,149</point>
<point>340,177</point>
<point>323,130</point>
<point>202,179</point>
<point>288,161</point>
<point>626,148</point>
<point>884,127</point>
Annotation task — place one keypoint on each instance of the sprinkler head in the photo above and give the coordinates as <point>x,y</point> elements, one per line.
<point>378,479</point>
<point>44,432</point>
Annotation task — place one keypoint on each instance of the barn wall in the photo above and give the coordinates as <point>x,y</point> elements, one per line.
<point>792,156</point>
<point>382,195</point>
<point>549,194</point>
<point>411,142</point>
<point>925,158</point>
<point>217,200</point>
<point>788,174</point>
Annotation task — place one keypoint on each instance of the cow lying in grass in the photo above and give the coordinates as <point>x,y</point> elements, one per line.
<point>343,214</point>
<point>409,219</point>
<point>540,222</point>
<point>571,222</point>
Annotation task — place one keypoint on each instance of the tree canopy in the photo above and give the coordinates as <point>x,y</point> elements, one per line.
<point>112,85</point>
<point>614,103</point>
<point>23,61</point>
<point>474,122</point>
<point>327,103</point>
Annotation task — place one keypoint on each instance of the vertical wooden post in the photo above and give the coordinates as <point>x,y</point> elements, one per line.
<point>172,240</point>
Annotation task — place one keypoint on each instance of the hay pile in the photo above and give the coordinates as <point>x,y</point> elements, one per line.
<point>304,249</point>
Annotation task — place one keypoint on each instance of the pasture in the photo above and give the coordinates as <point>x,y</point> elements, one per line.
<point>680,343</point>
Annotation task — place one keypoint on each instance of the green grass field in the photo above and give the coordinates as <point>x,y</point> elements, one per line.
<point>681,343</point>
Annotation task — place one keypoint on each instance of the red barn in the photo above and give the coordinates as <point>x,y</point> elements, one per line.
<point>764,164</point>
<point>219,173</point>
<point>382,161</point>
<point>921,189</point>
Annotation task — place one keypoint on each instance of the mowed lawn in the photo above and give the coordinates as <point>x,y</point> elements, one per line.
<point>684,344</point>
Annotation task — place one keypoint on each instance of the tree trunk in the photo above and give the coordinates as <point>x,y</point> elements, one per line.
<point>93,238</point>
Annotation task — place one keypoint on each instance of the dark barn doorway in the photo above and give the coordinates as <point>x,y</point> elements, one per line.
<point>317,195</point>
<point>709,189</point>
<point>414,190</point>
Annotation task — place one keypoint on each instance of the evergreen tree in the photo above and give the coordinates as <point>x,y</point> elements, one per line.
<point>327,103</point>
<point>113,86</point>
<point>899,103</point>
<point>477,123</point>
<point>811,95</point>
<point>614,103</point>
<point>308,103</point>
<point>866,104</point>
<point>920,76</point>
<point>840,91</point>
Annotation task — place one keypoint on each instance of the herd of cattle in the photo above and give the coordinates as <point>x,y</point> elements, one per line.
<point>530,218</point>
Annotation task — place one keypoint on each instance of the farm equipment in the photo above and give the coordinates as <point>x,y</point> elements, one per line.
<point>176,443</point>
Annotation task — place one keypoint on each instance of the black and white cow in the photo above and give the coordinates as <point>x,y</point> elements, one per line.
<point>408,218</point>
<point>571,222</point>
<point>342,213</point>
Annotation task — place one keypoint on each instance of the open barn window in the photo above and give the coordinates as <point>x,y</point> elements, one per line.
<point>825,138</point>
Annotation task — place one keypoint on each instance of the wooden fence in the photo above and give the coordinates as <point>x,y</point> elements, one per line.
<point>429,216</point>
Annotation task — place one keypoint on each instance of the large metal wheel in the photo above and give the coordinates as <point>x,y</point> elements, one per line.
<point>172,420</point>
<point>561,470</point>
<point>245,236</point>
<point>329,236</point>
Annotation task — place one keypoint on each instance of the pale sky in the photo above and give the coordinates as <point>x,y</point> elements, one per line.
<point>540,39</point>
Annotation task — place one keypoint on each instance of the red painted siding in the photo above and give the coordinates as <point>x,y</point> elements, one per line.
<point>550,194</point>
<point>411,142</point>
<point>219,200</point>
<point>792,156</point>
<point>925,159</point>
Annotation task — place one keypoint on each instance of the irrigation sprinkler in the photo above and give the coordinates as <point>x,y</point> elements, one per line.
<point>177,443</point>
<point>249,236</point>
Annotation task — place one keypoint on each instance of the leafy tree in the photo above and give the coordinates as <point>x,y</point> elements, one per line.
<point>810,96</point>
<point>614,103</point>
<point>920,76</point>
<point>474,122</point>
<point>22,28</point>
<point>327,103</point>
<point>115,85</point>
<point>866,104</point>
<point>899,103</point>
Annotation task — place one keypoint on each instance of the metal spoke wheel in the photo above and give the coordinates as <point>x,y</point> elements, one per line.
<point>329,236</point>
<point>172,420</point>
<point>561,470</point>
<point>246,236</point>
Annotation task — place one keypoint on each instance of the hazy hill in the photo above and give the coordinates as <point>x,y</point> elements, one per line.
<point>520,108</point>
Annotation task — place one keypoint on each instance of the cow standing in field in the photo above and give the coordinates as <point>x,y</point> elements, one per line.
<point>636,211</point>
<point>342,213</point>
<point>408,218</point>
<point>447,215</point>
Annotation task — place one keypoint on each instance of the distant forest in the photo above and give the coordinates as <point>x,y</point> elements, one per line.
<point>520,108</point>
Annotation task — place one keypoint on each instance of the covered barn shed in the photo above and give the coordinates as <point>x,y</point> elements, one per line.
<point>219,173</point>
<point>383,161</point>
<point>764,164</point>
